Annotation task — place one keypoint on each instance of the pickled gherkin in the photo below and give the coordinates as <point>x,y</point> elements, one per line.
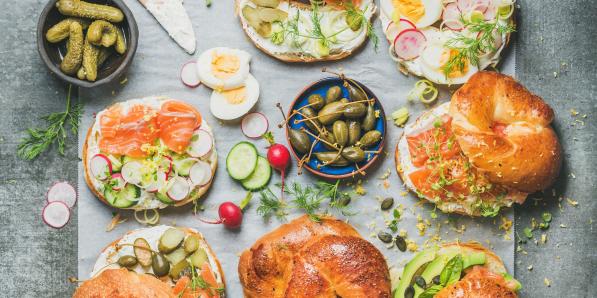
<point>82,9</point>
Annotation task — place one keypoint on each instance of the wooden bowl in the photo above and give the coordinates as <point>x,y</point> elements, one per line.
<point>109,71</point>
<point>330,172</point>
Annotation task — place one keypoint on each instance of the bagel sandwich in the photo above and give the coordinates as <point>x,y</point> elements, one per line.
<point>456,270</point>
<point>304,258</point>
<point>179,257</point>
<point>488,148</point>
<point>306,31</point>
<point>149,153</point>
<point>122,283</point>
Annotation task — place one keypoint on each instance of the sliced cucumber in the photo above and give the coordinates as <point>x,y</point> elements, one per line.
<point>241,160</point>
<point>260,177</point>
<point>163,198</point>
<point>127,197</point>
<point>182,167</point>
<point>116,162</point>
<point>110,195</point>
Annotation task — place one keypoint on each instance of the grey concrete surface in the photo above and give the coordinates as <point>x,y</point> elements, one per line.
<point>557,51</point>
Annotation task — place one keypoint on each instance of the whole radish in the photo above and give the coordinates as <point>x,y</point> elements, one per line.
<point>278,157</point>
<point>231,216</point>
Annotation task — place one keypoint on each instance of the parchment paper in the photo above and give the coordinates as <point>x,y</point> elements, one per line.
<point>155,71</point>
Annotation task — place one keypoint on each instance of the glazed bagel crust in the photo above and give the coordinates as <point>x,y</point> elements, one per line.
<point>122,283</point>
<point>505,131</point>
<point>308,259</point>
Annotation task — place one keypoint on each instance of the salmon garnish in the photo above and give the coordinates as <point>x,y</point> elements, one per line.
<point>433,143</point>
<point>479,283</point>
<point>185,289</point>
<point>177,121</point>
<point>125,132</point>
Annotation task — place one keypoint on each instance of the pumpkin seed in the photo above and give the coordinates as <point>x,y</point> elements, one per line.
<point>387,203</point>
<point>384,237</point>
<point>400,243</point>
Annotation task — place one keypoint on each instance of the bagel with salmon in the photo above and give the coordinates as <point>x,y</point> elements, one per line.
<point>456,270</point>
<point>307,31</point>
<point>488,148</point>
<point>178,257</point>
<point>304,258</point>
<point>149,153</point>
<point>122,283</point>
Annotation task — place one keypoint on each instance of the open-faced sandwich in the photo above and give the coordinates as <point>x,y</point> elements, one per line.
<point>149,153</point>
<point>304,258</point>
<point>307,31</point>
<point>179,257</point>
<point>489,147</point>
<point>446,41</point>
<point>456,270</point>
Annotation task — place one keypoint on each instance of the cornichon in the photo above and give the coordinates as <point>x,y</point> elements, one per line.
<point>88,70</point>
<point>74,53</point>
<point>82,9</point>
<point>61,31</point>
<point>102,33</point>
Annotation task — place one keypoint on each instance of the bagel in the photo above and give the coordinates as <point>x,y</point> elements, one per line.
<point>463,174</point>
<point>307,51</point>
<point>109,256</point>
<point>122,283</point>
<point>304,258</point>
<point>505,131</point>
<point>146,199</point>
<point>483,273</point>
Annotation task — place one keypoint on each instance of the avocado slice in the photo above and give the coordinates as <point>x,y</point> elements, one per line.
<point>510,279</point>
<point>477,258</point>
<point>420,260</point>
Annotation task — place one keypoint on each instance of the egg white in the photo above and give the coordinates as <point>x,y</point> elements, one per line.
<point>222,109</point>
<point>433,11</point>
<point>207,77</point>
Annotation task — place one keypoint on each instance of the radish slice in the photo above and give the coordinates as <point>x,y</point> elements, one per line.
<point>481,5</point>
<point>100,166</point>
<point>201,143</point>
<point>188,75</point>
<point>465,5</point>
<point>179,189</point>
<point>492,11</point>
<point>62,192</point>
<point>131,172</point>
<point>158,184</point>
<point>451,16</point>
<point>56,214</point>
<point>118,182</point>
<point>409,44</point>
<point>200,173</point>
<point>393,29</point>
<point>254,125</point>
<point>167,165</point>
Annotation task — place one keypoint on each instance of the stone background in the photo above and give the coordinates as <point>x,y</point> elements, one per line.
<point>557,51</point>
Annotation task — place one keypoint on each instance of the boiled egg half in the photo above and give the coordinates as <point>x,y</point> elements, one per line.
<point>223,68</point>
<point>234,103</point>
<point>422,13</point>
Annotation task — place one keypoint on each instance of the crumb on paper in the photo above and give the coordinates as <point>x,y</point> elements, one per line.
<point>547,282</point>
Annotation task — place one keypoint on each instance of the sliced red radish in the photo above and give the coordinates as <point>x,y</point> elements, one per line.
<point>481,5</point>
<point>56,214</point>
<point>452,17</point>
<point>179,189</point>
<point>492,11</point>
<point>167,165</point>
<point>200,173</point>
<point>100,166</point>
<point>131,172</point>
<point>118,182</point>
<point>465,5</point>
<point>62,192</point>
<point>201,143</point>
<point>393,29</point>
<point>159,183</point>
<point>406,24</point>
<point>409,44</point>
<point>188,75</point>
<point>254,125</point>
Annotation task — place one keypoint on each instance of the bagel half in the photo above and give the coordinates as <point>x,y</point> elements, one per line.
<point>107,260</point>
<point>304,258</point>
<point>292,54</point>
<point>91,148</point>
<point>122,283</point>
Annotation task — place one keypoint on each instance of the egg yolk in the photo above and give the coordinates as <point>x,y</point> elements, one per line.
<point>456,72</point>
<point>235,96</point>
<point>413,10</point>
<point>224,66</point>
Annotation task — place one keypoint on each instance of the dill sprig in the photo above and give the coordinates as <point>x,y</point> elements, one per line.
<point>358,17</point>
<point>470,47</point>
<point>40,139</point>
<point>270,204</point>
<point>306,199</point>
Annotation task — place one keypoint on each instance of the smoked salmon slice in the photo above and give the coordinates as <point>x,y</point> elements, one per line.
<point>185,289</point>
<point>177,121</point>
<point>125,132</point>
<point>478,283</point>
<point>433,142</point>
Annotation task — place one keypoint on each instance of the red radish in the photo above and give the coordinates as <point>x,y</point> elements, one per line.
<point>451,16</point>
<point>409,44</point>
<point>100,166</point>
<point>200,173</point>
<point>131,172</point>
<point>481,5</point>
<point>56,214</point>
<point>278,157</point>
<point>404,24</point>
<point>254,125</point>
<point>62,192</point>
<point>392,30</point>
<point>180,189</point>
<point>465,5</point>
<point>155,186</point>
<point>491,12</point>
<point>188,75</point>
<point>231,216</point>
<point>201,143</point>
<point>118,182</point>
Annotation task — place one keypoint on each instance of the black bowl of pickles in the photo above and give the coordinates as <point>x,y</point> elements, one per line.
<point>87,43</point>
<point>336,128</point>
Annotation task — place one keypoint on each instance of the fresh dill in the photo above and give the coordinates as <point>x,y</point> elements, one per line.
<point>270,205</point>
<point>306,199</point>
<point>40,139</point>
<point>470,46</point>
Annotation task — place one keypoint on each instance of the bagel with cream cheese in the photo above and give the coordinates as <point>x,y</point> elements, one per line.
<point>149,153</point>
<point>488,148</point>
<point>122,283</point>
<point>285,30</point>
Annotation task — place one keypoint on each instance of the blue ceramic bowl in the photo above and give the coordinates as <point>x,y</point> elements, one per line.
<point>314,165</point>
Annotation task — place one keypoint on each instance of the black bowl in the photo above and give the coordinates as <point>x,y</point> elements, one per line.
<point>110,70</point>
